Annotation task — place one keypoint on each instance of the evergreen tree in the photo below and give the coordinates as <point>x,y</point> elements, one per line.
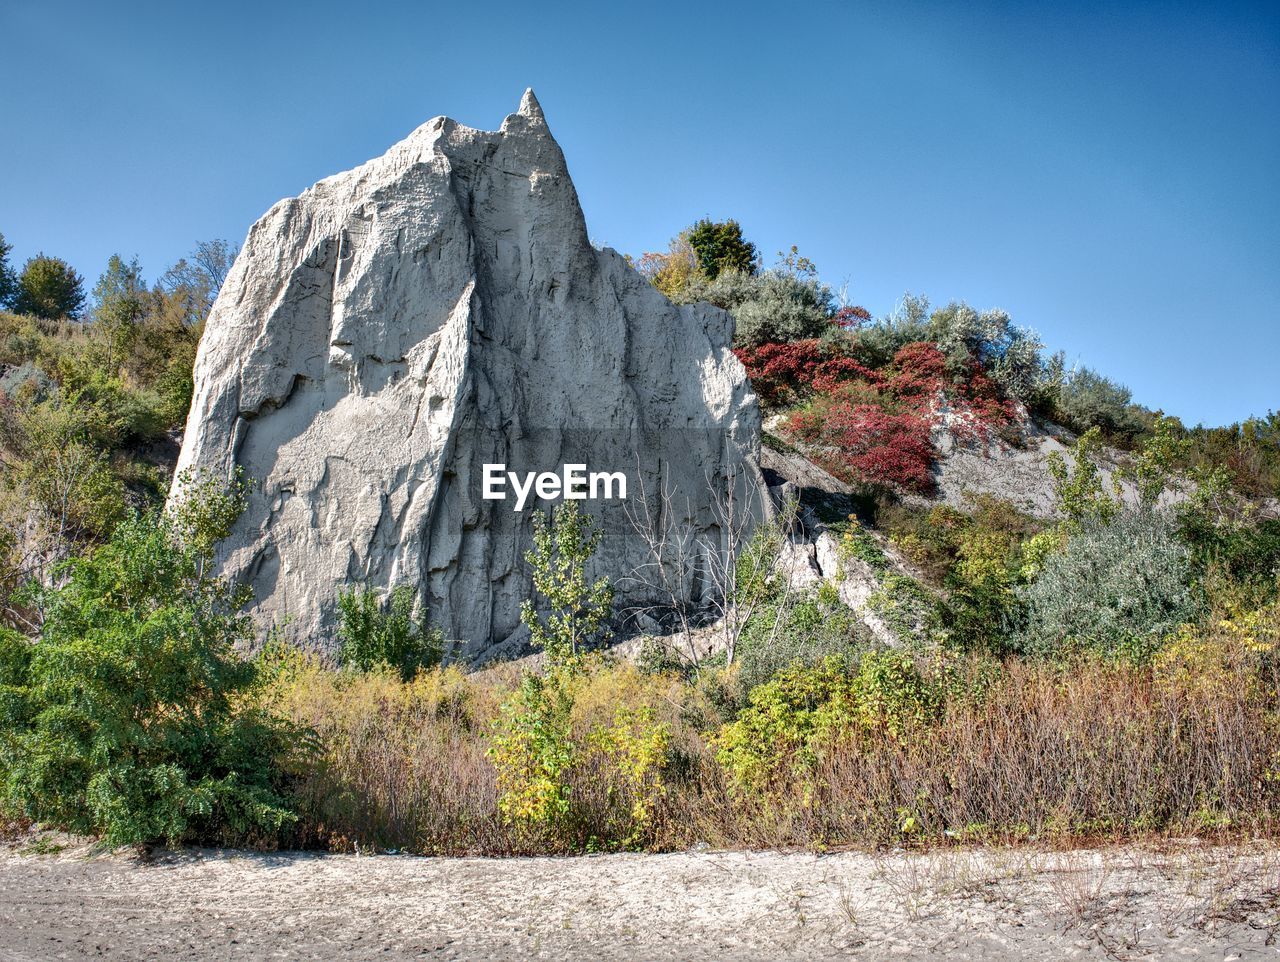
<point>720,246</point>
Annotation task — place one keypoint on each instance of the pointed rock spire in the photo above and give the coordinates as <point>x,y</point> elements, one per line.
<point>530,108</point>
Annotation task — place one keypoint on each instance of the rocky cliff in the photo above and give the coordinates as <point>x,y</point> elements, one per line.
<point>393,329</point>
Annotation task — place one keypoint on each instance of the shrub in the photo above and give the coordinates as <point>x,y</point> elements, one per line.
<point>797,628</point>
<point>533,750</point>
<point>783,373</point>
<point>991,342</point>
<point>864,442</point>
<point>778,740</point>
<point>876,344</point>
<point>578,608</point>
<point>769,307</point>
<point>1089,400</point>
<point>129,717</point>
<point>533,747</point>
<point>371,634</point>
<point>1116,588</point>
<point>1152,469</point>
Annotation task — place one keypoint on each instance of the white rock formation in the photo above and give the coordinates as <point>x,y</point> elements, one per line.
<point>394,328</point>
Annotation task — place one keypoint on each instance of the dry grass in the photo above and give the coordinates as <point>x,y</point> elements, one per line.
<point>1044,754</point>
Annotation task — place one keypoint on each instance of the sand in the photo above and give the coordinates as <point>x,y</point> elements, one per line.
<point>1182,901</point>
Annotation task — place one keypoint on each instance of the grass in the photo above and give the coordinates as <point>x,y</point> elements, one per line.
<point>1016,752</point>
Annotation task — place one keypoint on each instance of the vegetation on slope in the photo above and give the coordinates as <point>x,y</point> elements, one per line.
<point>1114,672</point>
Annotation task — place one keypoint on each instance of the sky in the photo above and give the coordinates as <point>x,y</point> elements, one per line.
<point>1107,173</point>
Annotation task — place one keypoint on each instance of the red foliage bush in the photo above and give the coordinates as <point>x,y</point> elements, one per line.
<point>867,441</point>
<point>918,369</point>
<point>873,426</point>
<point>839,370</point>
<point>851,317</point>
<point>781,373</point>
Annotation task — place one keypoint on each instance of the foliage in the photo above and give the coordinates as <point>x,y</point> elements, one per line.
<point>371,634</point>
<point>49,287</point>
<point>875,345</point>
<point>1116,588</point>
<point>1248,451</point>
<point>1079,491</point>
<point>1087,400</point>
<point>533,746</point>
<point>8,278</point>
<point>195,283</point>
<point>1161,452</point>
<point>805,711</point>
<point>797,628</point>
<point>866,439</point>
<point>720,247</point>
<point>581,750</point>
<point>120,303</point>
<point>992,342</point>
<point>533,750</point>
<point>86,411</point>
<point>674,271</point>
<point>130,717</point>
<point>782,373</point>
<point>558,559</point>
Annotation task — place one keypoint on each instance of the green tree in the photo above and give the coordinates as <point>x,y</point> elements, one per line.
<point>194,281</point>
<point>578,607</point>
<point>49,287</point>
<point>8,279</point>
<point>120,304</point>
<point>127,717</point>
<point>533,748</point>
<point>1152,469</point>
<point>1079,490</point>
<point>720,246</point>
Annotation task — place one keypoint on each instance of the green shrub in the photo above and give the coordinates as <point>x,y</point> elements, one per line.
<point>876,345</point>
<point>129,717</point>
<point>1116,588</point>
<point>533,750</point>
<point>1010,354</point>
<point>798,628</point>
<point>1087,400</point>
<point>776,743</point>
<point>1078,491</point>
<point>533,747</point>
<point>770,307</point>
<point>371,634</point>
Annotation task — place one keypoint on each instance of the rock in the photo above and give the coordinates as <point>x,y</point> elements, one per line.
<point>393,329</point>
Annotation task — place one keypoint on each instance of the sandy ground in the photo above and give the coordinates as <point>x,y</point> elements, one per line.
<point>1181,902</point>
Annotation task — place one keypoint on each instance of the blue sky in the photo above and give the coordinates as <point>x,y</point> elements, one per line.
<point>1107,173</point>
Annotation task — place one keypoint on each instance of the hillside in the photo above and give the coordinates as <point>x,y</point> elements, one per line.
<point>980,598</point>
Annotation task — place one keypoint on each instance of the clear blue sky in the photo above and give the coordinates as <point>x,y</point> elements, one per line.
<point>1109,173</point>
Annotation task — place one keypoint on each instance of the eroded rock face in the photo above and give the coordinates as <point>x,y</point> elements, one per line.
<point>388,332</point>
